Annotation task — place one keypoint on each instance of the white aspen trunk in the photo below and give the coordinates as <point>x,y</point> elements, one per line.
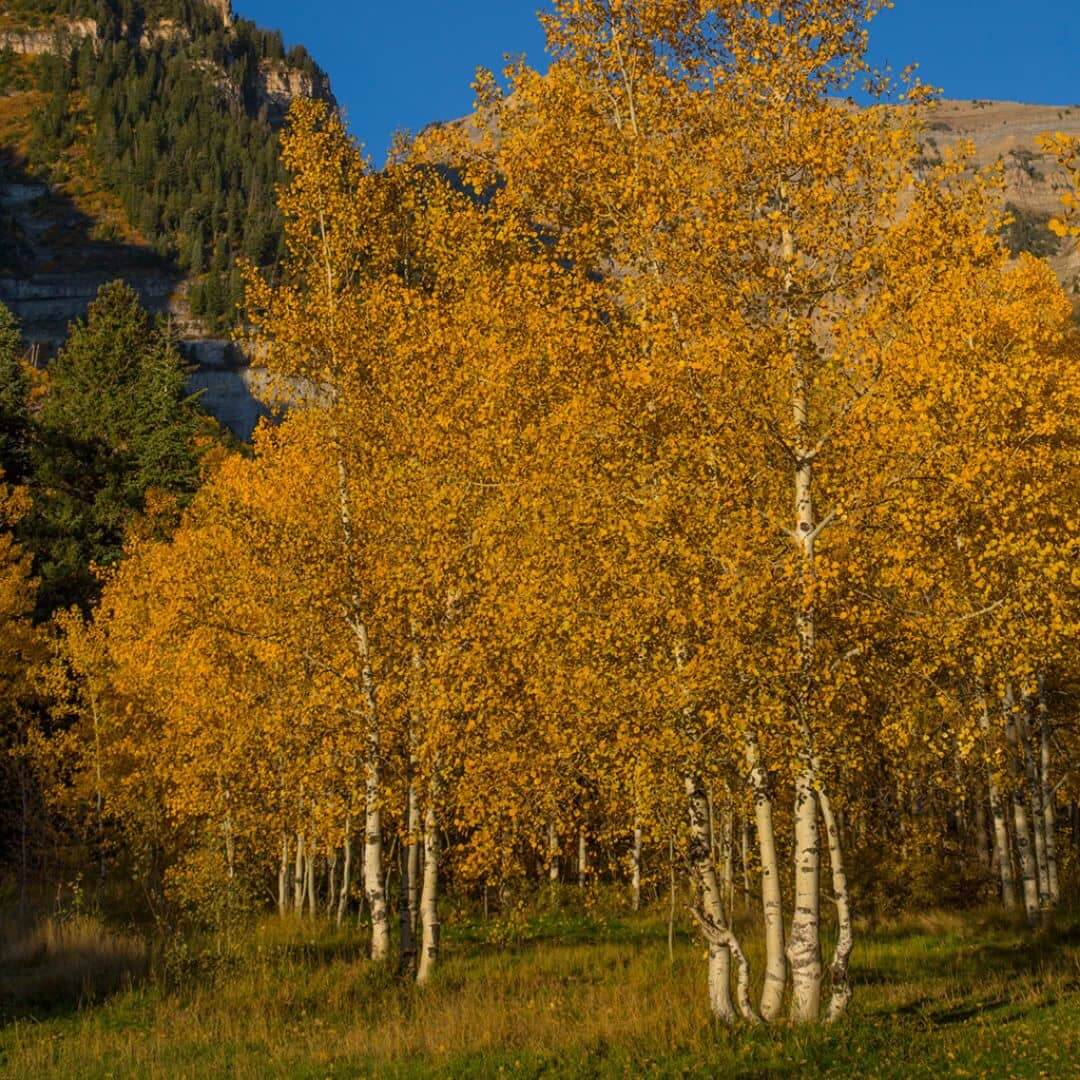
<point>406,942</point>
<point>772,994</point>
<point>298,876</point>
<point>1038,821</point>
<point>840,995</point>
<point>346,874</point>
<point>1028,871</point>
<point>1049,822</point>
<point>429,900</point>
<point>635,875</point>
<point>1001,829</point>
<point>1024,844</point>
<point>714,849</point>
<point>744,847</point>
<point>283,877</point>
<point>374,885</point>
<point>583,858</point>
<point>311,887</point>
<point>804,944</point>
<point>728,841</point>
<point>374,879</point>
<point>722,937</point>
<point>374,882</point>
<point>331,883</point>
<point>414,826</point>
<point>1011,849</point>
<point>412,869</point>
<point>552,852</point>
<point>705,873</point>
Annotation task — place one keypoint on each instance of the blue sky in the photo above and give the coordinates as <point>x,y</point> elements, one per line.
<point>404,64</point>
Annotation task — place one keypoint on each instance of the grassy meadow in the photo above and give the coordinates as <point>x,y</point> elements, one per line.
<point>564,992</point>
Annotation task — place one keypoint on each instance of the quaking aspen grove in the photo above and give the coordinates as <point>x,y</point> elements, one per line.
<point>676,501</point>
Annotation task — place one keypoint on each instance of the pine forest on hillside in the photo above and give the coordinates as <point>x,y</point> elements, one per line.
<point>168,101</point>
<point>648,647</point>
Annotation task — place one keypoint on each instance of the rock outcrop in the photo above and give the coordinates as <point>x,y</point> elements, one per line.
<point>39,41</point>
<point>280,85</point>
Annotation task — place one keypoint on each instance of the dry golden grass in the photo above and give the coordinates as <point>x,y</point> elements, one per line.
<point>16,120</point>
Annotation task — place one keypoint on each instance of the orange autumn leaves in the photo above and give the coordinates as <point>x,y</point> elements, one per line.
<point>673,414</point>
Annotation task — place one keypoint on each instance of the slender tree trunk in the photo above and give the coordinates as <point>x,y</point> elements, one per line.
<point>635,882</point>
<point>671,895</point>
<point>1049,822</point>
<point>1001,828</point>
<point>744,845</point>
<point>283,877</point>
<point>230,845</point>
<point>331,883</point>
<point>714,847</point>
<point>553,873</point>
<point>406,940</point>
<point>841,983</point>
<point>1024,845</point>
<point>416,848</point>
<point>722,937</point>
<point>429,900</point>
<point>298,876</point>
<point>374,884</point>
<point>346,874</point>
<point>1038,821</point>
<point>772,994</point>
<point>411,868</point>
<point>705,874</point>
<point>804,944</point>
<point>312,890</point>
<point>583,858</point>
<point>374,881</point>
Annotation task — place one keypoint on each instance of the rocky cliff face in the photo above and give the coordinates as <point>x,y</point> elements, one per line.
<point>1007,132</point>
<point>223,8</point>
<point>280,85</point>
<point>64,264</point>
<point>41,40</point>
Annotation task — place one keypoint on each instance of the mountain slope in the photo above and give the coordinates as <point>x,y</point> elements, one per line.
<point>138,138</point>
<point>1007,132</point>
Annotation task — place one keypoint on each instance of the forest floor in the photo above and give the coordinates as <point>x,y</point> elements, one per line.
<point>563,993</point>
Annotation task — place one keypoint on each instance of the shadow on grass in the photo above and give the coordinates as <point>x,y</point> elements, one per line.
<point>55,967</point>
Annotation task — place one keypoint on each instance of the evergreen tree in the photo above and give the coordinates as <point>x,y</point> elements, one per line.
<point>116,423</point>
<point>14,389</point>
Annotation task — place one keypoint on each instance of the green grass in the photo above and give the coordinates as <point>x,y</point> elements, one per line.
<point>558,994</point>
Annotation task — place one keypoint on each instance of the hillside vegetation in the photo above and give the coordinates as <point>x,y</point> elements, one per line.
<point>176,110</point>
